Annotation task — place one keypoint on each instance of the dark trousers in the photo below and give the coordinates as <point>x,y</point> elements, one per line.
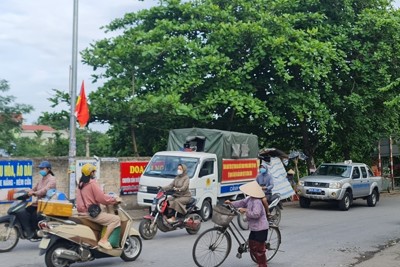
<point>257,246</point>
<point>29,220</point>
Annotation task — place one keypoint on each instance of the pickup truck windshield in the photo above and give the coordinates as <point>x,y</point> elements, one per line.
<point>166,166</point>
<point>334,170</point>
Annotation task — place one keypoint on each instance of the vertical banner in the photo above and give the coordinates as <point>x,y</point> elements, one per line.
<point>78,169</point>
<point>14,175</point>
<point>130,175</point>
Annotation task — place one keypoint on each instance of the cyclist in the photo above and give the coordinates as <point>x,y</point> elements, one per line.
<point>257,220</point>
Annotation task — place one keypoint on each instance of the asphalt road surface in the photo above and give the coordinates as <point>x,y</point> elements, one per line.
<point>319,236</point>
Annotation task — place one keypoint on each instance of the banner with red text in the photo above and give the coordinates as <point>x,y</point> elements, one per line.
<point>239,169</point>
<point>130,175</point>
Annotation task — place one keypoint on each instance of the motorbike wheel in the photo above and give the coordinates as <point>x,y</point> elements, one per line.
<point>194,217</point>
<point>242,221</point>
<point>276,215</point>
<point>51,258</point>
<point>8,237</point>
<point>146,231</point>
<point>132,248</point>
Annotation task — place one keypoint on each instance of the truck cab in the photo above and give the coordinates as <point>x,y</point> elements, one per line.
<point>202,171</point>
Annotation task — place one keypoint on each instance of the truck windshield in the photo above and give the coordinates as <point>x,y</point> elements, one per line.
<point>166,166</point>
<point>334,170</point>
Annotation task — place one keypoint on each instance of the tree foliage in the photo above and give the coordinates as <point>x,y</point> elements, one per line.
<point>299,74</point>
<point>10,117</point>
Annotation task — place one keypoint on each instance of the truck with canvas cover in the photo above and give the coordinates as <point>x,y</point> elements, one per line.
<point>218,162</point>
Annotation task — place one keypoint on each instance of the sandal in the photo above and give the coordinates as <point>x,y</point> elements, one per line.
<point>105,244</point>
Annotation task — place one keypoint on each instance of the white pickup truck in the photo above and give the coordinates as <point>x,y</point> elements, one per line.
<point>341,182</point>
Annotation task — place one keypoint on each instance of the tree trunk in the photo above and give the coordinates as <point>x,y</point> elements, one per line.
<point>308,150</point>
<point>135,151</point>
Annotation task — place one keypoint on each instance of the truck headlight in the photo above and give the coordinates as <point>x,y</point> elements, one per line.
<point>335,185</point>
<point>143,188</point>
<point>193,192</point>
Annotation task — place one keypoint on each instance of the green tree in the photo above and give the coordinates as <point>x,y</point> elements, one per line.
<point>11,117</point>
<point>57,120</point>
<point>299,74</point>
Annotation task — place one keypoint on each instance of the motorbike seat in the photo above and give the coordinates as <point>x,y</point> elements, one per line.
<point>87,222</point>
<point>191,202</point>
<point>273,197</point>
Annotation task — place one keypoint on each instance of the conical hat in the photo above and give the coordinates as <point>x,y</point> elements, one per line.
<point>290,171</point>
<point>252,189</point>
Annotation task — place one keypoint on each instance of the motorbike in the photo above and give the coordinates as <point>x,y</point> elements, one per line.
<point>157,219</point>
<point>11,229</point>
<point>74,240</point>
<point>274,206</point>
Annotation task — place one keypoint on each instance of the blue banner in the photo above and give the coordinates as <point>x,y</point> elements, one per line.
<point>14,174</point>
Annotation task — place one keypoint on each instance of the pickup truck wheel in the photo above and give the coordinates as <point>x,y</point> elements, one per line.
<point>305,202</point>
<point>206,210</point>
<point>372,199</point>
<point>344,203</point>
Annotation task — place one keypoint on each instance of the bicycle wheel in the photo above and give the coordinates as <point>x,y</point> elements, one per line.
<point>212,247</point>
<point>272,243</point>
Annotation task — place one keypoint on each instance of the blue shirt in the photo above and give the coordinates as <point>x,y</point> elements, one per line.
<point>265,179</point>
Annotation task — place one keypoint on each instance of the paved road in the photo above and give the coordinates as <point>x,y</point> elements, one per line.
<point>319,236</point>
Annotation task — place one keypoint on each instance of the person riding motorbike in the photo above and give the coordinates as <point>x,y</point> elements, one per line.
<point>28,217</point>
<point>265,180</point>
<point>182,195</point>
<point>88,193</point>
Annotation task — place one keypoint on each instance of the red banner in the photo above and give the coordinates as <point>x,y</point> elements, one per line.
<point>130,175</point>
<point>239,169</point>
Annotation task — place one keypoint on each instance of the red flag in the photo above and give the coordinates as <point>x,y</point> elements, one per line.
<point>82,108</point>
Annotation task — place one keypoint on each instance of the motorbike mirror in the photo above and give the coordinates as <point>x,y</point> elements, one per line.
<point>21,195</point>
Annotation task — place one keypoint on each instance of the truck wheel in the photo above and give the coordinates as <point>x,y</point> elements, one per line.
<point>344,203</point>
<point>372,199</point>
<point>206,210</point>
<point>305,202</point>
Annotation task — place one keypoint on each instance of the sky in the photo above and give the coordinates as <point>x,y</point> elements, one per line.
<point>36,46</point>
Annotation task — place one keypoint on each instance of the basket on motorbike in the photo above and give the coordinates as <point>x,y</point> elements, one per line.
<point>222,216</point>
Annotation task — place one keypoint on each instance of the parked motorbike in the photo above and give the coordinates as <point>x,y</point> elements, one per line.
<point>274,206</point>
<point>157,219</point>
<point>11,229</point>
<point>75,240</point>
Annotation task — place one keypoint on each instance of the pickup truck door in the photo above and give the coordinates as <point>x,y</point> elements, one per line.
<point>367,181</point>
<point>357,182</point>
<point>206,184</point>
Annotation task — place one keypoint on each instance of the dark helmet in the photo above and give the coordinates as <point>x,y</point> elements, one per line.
<point>45,164</point>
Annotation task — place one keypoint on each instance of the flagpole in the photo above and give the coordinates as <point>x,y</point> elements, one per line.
<point>72,121</point>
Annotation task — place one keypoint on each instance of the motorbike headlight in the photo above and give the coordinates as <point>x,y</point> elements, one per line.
<point>143,188</point>
<point>193,192</point>
<point>335,185</point>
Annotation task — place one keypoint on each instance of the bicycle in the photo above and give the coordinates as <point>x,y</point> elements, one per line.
<point>213,246</point>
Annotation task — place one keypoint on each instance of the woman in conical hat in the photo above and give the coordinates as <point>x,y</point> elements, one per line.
<point>256,218</point>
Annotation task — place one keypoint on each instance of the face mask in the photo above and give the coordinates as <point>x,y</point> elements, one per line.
<point>179,172</point>
<point>43,173</point>
<point>262,170</point>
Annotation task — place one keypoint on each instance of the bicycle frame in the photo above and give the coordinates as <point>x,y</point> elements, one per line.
<point>218,240</point>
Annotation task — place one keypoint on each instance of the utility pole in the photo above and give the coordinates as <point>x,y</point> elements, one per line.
<point>72,120</point>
